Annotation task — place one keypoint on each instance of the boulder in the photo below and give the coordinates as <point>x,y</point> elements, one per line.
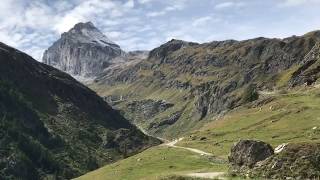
<point>248,152</point>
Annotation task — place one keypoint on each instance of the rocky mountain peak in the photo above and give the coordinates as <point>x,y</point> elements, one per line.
<point>88,33</point>
<point>86,25</point>
<point>169,47</point>
<point>84,51</point>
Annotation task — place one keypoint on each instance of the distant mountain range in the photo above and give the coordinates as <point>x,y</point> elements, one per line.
<point>203,81</point>
<point>53,126</point>
<point>181,85</point>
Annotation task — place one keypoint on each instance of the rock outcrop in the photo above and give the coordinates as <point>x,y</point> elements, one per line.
<point>256,159</point>
<point>246,153</point>
<point>83,51</point>
<point>147,109</point>
<point>309,71</point>
<point>171,119</point>
<point>295,161</point>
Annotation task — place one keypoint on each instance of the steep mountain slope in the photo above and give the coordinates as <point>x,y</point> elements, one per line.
<point>51,126</point>
<point>203,81</point>
<point>309,70</point>
<point>83,51</point>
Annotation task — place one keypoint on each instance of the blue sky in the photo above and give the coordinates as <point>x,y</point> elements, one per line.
<point>33,25</point>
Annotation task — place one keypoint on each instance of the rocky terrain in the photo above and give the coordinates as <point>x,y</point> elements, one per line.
<point>53,127</point>
<point>254,159</point>
<point>83,51</point>
<point>309,70</point>
<point>204,81</point>
<point>215,93</point>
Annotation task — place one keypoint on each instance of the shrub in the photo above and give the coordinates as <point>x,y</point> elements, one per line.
<point>250,94</point>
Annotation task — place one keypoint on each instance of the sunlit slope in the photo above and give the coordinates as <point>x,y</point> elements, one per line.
<point>278,117</point>
<point>156,163</point>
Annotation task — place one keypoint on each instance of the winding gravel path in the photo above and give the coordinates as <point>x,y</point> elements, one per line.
<point>174,142</point>
<point>209,175</point>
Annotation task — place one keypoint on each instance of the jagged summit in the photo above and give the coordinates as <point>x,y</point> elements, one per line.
<point>170,46</point>
<point>88,33</point>
<point>84,51</point>
<point>81,25</point>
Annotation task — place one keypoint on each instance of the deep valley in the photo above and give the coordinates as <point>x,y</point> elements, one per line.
<point>184,110</point>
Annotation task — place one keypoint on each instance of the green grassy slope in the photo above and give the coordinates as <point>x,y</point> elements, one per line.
<point>155,92</point>
<point>276,118</point>
<point>289,117</point>
<point>156,163</point>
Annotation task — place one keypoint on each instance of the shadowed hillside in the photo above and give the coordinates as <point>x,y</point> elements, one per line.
<point>53,126</point>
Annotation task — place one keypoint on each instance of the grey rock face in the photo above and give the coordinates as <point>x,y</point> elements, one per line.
<point>168,121</point>
<point>295,161</point>
<point>83,51</point>
<point>255,159</point>
<point>309,71</point>
<point>114,99</point>
<point>248,152</point>
<point>148,108</point>
<point>211,97</point>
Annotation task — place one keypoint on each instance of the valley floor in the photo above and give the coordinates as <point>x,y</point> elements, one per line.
<point>162,161</point>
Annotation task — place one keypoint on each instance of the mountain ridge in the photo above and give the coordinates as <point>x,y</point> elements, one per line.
<point>205,80</point>
<point>53,126</point>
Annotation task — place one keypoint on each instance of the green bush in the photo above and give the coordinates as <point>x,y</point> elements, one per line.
<point>250,94</point>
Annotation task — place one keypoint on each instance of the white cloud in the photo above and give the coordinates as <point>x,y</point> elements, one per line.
<point>224,5</point>
<point>114,34</point>
<point>33,25</point>
<point>129,4</point>
<point>144,1</point>
<point>203,21</point>
<point>298,2</point>
<point>94,9</point>
<point>172,6</point>
<point>83,12</point>
<point>37,15</point>
<point>158,13</point>
<point>229,4</point>
<point>66,23</point>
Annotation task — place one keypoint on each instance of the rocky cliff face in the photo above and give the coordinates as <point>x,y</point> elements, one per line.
<point>83,51</point>
<point>205,80</point>
<point>309,71</point>
<point>53,127</point>
<point>257,159</point>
